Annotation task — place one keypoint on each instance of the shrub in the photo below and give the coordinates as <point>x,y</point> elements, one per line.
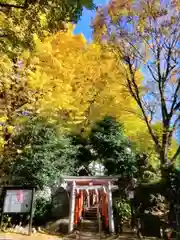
<point>42,212</point>
<point>123,209</point>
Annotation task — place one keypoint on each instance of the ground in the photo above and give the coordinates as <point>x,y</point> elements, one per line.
<point>38,236</point>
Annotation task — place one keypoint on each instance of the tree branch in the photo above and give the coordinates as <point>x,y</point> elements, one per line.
<point>174,106</point>
<point>152,73</point>
<point>135,93</point>
<point>161,90</point>
<point>168,68</point>
<point>134,113</point>
<point>176,154</point>
<point>177,106</point>
<point>172,130</point>
<point>175,123</point>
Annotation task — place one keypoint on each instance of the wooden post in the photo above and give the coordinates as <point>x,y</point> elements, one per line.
<point>76,208</point>
<point>82,202</point>
<point>2,210</point>
<point>88,199</point>
<point>99,220</point>
<point>32,211</point>
<point>110,209</point>
<point>72,207</point>
<point>106,210</point>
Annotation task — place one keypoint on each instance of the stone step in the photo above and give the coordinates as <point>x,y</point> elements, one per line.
<point>89,229</point>
<point>92,219</point>
<point>87,216</point>
<point>90,216</point>
<point>91,209</point>
<point>89,221</point>
<point>89,226</point>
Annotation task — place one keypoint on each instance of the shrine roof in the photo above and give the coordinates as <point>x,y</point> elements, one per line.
<point>89,179</point>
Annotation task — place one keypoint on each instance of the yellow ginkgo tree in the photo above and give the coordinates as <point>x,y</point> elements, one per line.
<point>65,80</point>
<point>21,19</point>
<point>80,82</point>
<point>17,98</point>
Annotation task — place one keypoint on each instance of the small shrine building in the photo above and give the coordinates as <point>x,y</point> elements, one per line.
<point>91,191</point>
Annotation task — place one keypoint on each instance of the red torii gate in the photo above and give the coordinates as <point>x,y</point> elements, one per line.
<point>86,187</point>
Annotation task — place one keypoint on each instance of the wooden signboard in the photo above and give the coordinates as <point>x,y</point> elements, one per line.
<point>18,201</point>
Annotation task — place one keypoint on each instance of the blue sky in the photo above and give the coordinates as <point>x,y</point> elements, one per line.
<point>83,26</point>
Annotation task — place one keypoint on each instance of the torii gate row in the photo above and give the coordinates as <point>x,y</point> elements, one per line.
<point>87,191</point>
<point>107,208</point>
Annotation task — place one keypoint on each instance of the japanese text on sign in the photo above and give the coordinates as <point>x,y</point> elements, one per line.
<point>17,201</point>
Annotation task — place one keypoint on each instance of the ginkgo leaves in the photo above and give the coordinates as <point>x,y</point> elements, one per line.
<point>67,80</point>
<point>80,81</point>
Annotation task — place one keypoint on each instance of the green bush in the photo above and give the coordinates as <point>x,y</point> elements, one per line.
<point>44,154</point>
<point>123,209</point>
<point>42,212</point>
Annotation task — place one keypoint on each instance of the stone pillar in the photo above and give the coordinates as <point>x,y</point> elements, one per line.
<point>110,208</point>
<point>72,207</point>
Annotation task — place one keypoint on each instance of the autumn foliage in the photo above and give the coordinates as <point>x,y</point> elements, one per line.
<point>145,35</point>
<point>76,92</point>
<point>57,75</point>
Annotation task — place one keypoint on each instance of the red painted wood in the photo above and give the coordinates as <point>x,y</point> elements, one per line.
<point>106,211</point>
<point>76,209</point>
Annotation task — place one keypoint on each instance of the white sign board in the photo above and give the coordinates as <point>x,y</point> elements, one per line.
<point>17,201</point>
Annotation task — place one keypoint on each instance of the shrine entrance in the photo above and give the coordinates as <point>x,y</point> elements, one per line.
<point>91,193</point>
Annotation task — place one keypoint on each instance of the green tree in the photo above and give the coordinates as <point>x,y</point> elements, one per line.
<point>42,154</point>
<point>84,155</point>
<point>113,148</point>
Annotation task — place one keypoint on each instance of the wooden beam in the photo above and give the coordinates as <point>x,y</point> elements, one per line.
<point>114,187</point>
<point>90,178</point>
